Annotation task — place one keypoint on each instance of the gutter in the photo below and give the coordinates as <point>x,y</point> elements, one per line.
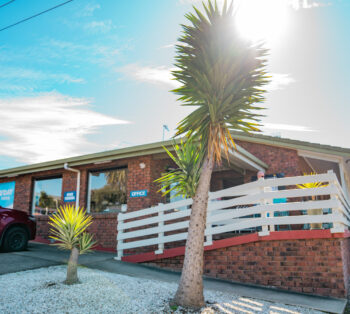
<point>65,166</point>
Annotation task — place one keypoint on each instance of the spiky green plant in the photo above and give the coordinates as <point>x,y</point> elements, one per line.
<point>316,211</point>
<point>222,77</point>
<point>68,229</point>
<point>311,185</point>
<point>184,180</point>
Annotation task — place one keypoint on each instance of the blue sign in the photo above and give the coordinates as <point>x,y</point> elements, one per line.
<point>69,196</point>
<point>7,194</point>
<point>140,193</point>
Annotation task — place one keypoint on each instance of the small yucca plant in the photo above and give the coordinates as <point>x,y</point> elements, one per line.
<point>68,228</point>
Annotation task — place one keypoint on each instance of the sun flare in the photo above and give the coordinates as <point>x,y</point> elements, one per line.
<point>262,19</point>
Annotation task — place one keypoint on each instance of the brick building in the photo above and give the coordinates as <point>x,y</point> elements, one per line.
<point>123,180</point>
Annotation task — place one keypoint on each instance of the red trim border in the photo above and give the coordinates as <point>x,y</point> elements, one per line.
<point>253,237</point>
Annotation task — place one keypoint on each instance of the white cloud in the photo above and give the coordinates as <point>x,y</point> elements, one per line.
<point>9,87</point>
<point>15,73</point>
<point>99,26</point>
<point>48,127</point>
<point>279,81</point>
<point>156,75</point>
<point>295,4</point>
<point>287,127</point>
<point>89,9</point>
<point>93,53</point>
<point>219,2</point>
<point>306,4</point>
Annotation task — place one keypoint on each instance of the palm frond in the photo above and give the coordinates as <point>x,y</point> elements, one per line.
<point>86,243</point>
<point>68,227</point>
<point>183,180</point>
<point>222,76</point>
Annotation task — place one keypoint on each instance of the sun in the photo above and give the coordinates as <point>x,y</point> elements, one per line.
<point>262,19</point>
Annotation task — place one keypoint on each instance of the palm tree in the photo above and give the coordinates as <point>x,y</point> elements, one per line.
<point>69,225</point>
<point>222,77</point>
<point>183,180</point>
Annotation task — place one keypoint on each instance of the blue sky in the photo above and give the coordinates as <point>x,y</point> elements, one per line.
<point>95,75</point>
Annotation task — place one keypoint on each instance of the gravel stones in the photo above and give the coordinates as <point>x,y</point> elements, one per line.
<point>42,291</point>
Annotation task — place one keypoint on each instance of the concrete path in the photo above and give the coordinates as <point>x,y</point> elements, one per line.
<point>41,255</point>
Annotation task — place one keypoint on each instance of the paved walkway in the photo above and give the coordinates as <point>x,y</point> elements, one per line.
<point>41,255</point>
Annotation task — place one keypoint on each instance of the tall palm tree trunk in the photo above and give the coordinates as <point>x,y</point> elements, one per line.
<point>72,273</point>
<point>190,290</point>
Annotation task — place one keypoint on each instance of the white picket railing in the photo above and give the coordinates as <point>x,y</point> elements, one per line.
<point>237,213</point>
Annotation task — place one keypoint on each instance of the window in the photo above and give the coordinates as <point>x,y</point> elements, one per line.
<point>107,191</point>
<point>47,196</point>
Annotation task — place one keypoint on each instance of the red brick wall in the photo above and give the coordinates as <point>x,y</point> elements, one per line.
<point>317,266</point>
<point>42,227</point>
<point>105,224</point>
<point>23,191</point>
<point>277,158</point>
<point>138,179</point>
<point>217,178</point>
<point>104,228</point>
<point>345,251</point>
<point>143,179</point>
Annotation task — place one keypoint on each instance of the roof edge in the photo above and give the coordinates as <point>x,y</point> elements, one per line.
<point>289,143</point>
<point>128,152</point>
<point>157,147</point>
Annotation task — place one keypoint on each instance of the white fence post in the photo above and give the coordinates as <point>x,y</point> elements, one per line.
<point>265,214</point>
<point>337,226</point>
<point>119,241</point>
<point>209,237</point>
<point>270,201</point>
<point>160,234</point>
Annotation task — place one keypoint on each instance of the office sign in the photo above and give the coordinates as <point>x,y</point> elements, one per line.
<point>139,193</point>
<point>69,196</point>
<point>7,194</point>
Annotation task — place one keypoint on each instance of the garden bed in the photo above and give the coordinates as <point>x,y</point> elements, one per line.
<point>42,291</point>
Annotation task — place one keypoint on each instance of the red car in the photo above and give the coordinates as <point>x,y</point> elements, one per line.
<point>16,228</point>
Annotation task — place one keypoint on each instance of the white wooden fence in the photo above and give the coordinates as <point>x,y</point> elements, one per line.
<point>250,206</point>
